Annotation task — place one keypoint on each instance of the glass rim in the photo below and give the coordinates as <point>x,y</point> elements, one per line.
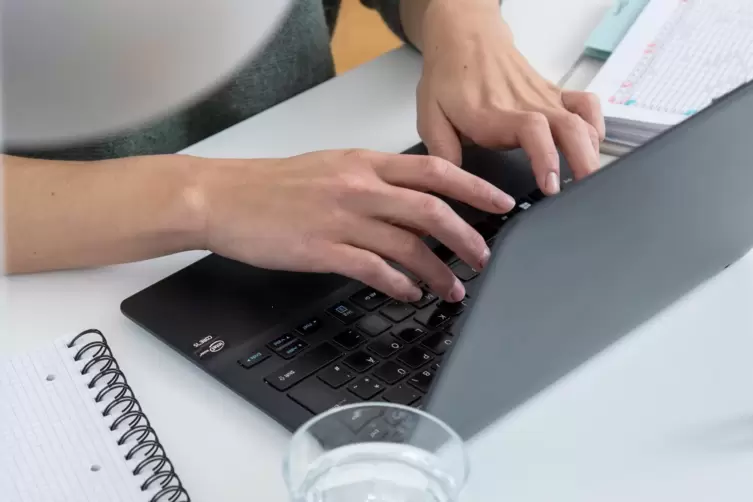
<point>308,424</point>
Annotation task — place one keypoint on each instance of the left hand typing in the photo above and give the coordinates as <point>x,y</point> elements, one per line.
<point>477,86</point>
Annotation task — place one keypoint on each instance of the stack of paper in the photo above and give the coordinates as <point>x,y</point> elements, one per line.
<point>677,58</point>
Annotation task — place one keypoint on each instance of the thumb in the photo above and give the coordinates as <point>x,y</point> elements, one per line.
<point>437,133</point>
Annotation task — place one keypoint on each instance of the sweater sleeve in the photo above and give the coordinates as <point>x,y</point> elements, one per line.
<point>390,12</point>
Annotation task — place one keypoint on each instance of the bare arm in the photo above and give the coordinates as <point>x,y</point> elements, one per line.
<point>63,215</point>
<point>412,15</point>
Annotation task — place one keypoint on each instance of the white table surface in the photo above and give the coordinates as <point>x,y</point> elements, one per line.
<point>667,414</point>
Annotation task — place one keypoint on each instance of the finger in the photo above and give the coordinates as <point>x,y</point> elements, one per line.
<point>410,252</point>
<point>535,137</point>
<point>432,174</point>
<point>571,133</point>
<point>437,132</point>
<point>588,107</point>
<point>435,217</point>
<point>595,141</point>
<point>369,268</point>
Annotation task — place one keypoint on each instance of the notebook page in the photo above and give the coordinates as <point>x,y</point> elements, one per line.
<point>54,443</point>
<point>678,57</point>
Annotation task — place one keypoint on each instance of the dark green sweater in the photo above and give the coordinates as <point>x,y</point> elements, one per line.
<point>297,58</point>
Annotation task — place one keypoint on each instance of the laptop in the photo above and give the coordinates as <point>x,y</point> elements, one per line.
<point>569,276</point>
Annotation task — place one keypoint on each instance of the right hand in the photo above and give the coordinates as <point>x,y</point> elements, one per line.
<point>348,212</point>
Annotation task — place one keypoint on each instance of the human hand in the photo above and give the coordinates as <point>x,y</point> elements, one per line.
<point>347,212</point>
<point>477,86</point>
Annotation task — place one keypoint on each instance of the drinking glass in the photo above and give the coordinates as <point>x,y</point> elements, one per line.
<point>375,452</point>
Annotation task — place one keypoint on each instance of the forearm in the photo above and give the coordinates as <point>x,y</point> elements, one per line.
<point>412,13</point>
<point>62,215</point>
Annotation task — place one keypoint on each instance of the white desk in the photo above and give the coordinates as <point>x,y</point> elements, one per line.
<point>665,415</point>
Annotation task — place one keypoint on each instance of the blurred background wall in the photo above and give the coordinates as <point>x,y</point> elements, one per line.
<point>360,35</point>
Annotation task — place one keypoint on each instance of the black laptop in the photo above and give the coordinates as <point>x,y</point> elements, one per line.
<point>569,275</point>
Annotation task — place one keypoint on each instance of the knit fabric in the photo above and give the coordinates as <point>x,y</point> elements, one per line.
<point>297,58</point>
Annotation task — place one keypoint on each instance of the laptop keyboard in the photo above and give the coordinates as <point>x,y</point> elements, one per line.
<point>386,351</point>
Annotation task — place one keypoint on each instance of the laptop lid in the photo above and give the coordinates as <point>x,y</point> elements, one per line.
<point>580,270</point>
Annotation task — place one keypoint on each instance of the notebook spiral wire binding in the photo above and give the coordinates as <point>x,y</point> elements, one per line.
<point>129,417</point>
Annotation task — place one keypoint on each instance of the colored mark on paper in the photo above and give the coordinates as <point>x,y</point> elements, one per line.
<point>691,112</point>
<point>630,102</point>
<point>612,99</point>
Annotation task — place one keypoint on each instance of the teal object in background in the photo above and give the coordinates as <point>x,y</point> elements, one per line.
<point>613,27</point>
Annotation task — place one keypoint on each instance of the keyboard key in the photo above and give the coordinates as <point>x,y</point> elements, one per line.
<point>410,335</point>
<point>486,229</point>
<point>292,350</point>
<point>444,253</point>
<point>254,358</point>
<point>435,367</point>
<point>397,311</point>
<point>349,339</point>
<point>432,317</point>
<point>401,394</point>
<point>452,308</point>
<point>525,204</point>
<point>345,312</point>
<point>437,343</point>
<point>317,397</point>
<point>384,346</point>
<point>360,361</point>
<point>452,326</point>
<point>281,341</point>
<point>333,433</point>
<point>536,195</point>
<point>336,375</point>
<point>305,366</point>
<point>390,372</point>
<point>366,387</point>
<point>398,417</point>
<point>464,272</point>
<point>369,299</point>
<point>414,357</point>
<point>425,300</point>
<point>565,183</point>
<point>310,326</point>
<point>373,325</point>
<point>422,380</point>
<point>507,217</point>
<point>356,419</point>
<point>375,430</point>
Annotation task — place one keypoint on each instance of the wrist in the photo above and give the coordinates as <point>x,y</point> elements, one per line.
<point>453,21</point>
<point>190,174</point>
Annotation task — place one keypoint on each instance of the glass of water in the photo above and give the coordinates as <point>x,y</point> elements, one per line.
<point>375,452</point>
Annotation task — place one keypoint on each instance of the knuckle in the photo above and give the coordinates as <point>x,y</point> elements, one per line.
<point>351,182</point>
<point>572,121</point>
<point>435,168</point>
<point>409,246</point>
<point>535,121</point>
<point>592,100</point>
<point>358,155</point>
<point>592,132</point>
<point>433,209</point>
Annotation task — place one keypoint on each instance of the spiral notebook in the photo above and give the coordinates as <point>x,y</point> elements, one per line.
<point>71,429</point>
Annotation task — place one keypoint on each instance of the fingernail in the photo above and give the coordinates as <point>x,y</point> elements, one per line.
<point>485,254</point>
<point>457,293</point>
<point>504,201</point>
<point>552,183</point>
